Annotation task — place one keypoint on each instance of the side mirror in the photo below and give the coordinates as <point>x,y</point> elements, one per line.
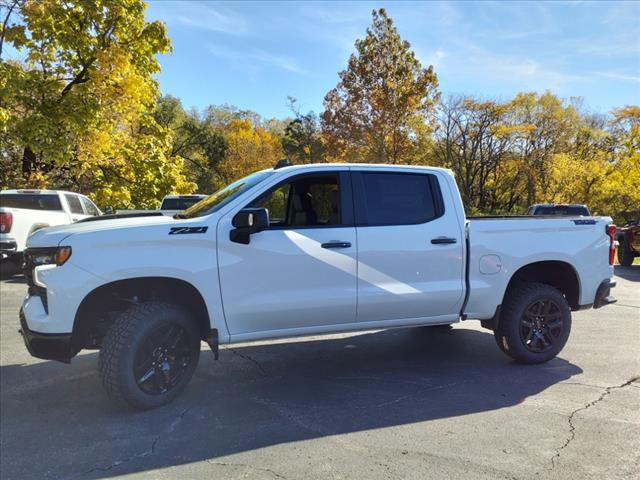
<point>247,222</point>
<point>108,210</point>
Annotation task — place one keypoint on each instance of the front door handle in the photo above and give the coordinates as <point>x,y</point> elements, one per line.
<point>443,240</point>
<point>336,245</point>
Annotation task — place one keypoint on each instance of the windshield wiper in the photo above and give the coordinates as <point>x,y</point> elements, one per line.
<point>180,216</point>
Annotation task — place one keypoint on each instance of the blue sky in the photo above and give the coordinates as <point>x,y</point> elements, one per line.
<point>254,54</point>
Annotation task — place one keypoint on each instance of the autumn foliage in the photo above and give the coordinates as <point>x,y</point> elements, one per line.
<point>80,110</point>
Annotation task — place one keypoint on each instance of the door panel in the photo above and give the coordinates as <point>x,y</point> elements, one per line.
<point>284,278</point>
<point>402,274</point>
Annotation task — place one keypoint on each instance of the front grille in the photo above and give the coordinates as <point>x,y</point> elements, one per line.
<point>34,290</point>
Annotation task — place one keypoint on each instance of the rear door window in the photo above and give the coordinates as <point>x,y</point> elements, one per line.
<point>89,206</point>
<point>31,201</point>
<point>397,198</point>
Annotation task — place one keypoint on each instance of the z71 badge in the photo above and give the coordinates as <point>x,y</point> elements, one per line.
<point>186,230</point>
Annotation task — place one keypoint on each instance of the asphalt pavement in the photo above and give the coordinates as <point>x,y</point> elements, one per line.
<point>412,403</point>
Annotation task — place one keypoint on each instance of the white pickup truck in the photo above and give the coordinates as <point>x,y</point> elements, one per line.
<point>22,212</point>
<point>304,250</point>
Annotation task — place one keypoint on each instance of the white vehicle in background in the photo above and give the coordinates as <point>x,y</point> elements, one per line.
<point>305,250</point>
<point>171,204</point>
<point>22,212</point>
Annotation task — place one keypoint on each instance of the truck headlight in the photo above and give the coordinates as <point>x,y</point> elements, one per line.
<point>47,256</point>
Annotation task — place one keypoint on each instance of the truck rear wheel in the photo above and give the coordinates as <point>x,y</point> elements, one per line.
<point>625,256</point>
<point>149,355</point>
<point>535,322</point>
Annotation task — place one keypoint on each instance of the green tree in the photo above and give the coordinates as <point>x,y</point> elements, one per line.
<point>195,140</point>
<point>383,98</point>
<point>78,104</point>
<point>302,139</point>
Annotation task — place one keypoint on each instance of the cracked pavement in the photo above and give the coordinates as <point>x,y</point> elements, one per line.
<point>414,403</point>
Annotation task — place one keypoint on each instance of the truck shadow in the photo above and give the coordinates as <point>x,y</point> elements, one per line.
<point>631,273</point>
<point>258,396</point>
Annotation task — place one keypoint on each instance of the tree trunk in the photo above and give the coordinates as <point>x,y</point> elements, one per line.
<point>28,162</point>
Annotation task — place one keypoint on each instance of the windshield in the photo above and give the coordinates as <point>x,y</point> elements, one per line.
<point>219,199</point>
<point>179,203</point>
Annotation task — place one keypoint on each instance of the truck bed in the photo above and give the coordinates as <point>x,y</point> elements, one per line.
<point>498,246</point>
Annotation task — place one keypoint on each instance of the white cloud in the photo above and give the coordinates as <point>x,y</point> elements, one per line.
<point>619,76</point>
<point>434,58</point>
<point>205,17</point>
<point>333,14</point>
<point>249,58</point>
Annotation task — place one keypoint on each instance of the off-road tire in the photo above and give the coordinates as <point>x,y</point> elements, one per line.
<point>518,300</point>
<point>625,256</point>
<point>122,342</point>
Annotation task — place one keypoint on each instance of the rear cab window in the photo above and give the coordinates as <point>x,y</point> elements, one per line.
<point>396,198</point>
<point>31,201</point>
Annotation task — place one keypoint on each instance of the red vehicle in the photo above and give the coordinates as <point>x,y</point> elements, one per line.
<point>628,242</point>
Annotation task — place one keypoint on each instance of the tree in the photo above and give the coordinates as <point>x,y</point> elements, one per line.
<point>302,139</point>
<point>619,190</point>
<point>194,139</point>
<point>546,126</point>
<point>473,141</point>
<point>249,148</point>
<point>79,103</point>
<point>383,98</point>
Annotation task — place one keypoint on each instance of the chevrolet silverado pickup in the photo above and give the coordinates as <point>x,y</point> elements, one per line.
<point>22,212</point>
<point>304,250</point>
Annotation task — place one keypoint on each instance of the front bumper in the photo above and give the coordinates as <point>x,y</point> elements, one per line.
<point>48,346</point>
<point>8,247</point>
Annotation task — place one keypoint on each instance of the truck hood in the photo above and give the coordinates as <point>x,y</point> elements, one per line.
<point>52,236</point>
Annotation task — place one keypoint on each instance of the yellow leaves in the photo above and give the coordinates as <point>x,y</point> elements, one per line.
<point>628,112</point>
<point>81,104</point>
<point>249,149</point>
<point>368,114</point>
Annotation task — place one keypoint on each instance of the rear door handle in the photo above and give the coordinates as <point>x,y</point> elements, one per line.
<point>443,240</point>
<point>336,245</point>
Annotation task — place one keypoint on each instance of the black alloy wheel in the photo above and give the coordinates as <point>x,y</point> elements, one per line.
<point>162,359</point>
<point>541,325</point>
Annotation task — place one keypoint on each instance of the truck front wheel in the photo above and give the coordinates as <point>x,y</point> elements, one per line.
<point>149,355</point>
<point>535,322</point>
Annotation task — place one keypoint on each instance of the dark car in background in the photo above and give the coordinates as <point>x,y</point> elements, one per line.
<point>628,238</point>
<point>574,209</point>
